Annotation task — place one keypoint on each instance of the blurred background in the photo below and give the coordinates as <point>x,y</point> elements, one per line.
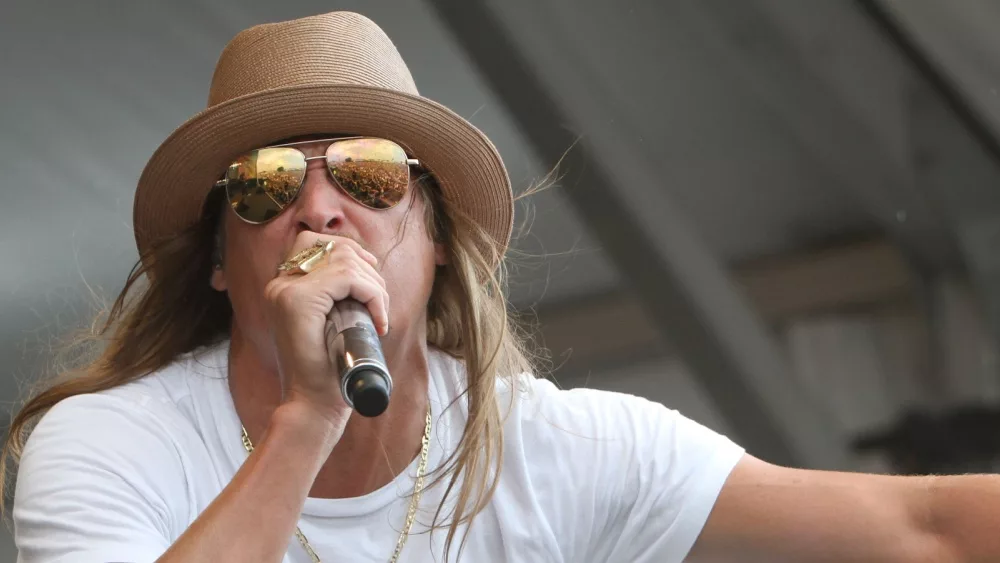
<point>780,217</point>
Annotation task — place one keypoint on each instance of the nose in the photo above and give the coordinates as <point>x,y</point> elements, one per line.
<point>320,205</point>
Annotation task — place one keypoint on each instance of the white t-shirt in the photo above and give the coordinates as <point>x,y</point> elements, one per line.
<point>587,476</point>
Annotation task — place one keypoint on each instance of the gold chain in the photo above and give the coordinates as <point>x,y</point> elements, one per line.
<point>411,513</point>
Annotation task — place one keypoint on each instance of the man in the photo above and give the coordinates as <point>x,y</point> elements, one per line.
<point>211,429</point>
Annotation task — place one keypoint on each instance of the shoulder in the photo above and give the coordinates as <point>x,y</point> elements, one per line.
<point>537,410</point>
<point>95,463</point>
<point>143,419</point>
<point>539,406</point>
<point>174,384</point>
<point>126,450</point>
<point>85,439</point>
<point>139,414</point>
<point>139,421</point>
<point>617,474</point>
<point>618,427</point>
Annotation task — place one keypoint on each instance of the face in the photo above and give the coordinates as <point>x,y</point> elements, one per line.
<point>397,236</point>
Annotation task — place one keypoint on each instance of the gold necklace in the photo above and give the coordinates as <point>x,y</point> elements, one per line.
<point>411,513</point>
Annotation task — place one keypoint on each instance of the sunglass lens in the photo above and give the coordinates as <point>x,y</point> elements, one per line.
<point>373,172</point>
<point>263,182</point>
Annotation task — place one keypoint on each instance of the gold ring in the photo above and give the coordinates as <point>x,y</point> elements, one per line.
<point>305,260</point>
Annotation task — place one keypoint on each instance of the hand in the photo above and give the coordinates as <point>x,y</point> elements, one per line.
<point>297,306</point>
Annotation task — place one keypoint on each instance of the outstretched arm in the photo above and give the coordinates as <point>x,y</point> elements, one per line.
<point>771,513</point>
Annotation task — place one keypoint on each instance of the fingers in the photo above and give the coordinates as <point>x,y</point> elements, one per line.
<point>307,239</point>
<point>349,271</point>
<point>349,254</point>
<point>359,250</point>
<point>346,280</point>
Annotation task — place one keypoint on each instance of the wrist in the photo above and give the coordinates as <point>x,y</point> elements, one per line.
<point>301,422</point>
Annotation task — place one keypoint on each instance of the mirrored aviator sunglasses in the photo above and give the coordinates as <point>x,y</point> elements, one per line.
<point>263,182</point>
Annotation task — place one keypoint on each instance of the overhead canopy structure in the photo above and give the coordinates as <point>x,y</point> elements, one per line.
<point>880,127</point>
<point>694,138</point>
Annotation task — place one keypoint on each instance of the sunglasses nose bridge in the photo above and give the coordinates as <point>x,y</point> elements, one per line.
<point>322,174</point>
<point>321,206</point>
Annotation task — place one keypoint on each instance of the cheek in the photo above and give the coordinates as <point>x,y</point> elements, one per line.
<point>408,271</point>
<point>409,285</point>
<point>249,267</point>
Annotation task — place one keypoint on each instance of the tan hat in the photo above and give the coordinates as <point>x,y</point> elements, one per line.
<point>331,73</point>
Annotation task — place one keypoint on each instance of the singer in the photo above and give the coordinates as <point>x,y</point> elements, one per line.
<point>215,424</point>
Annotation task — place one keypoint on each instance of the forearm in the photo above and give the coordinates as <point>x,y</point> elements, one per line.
<point>964,514</point>
<point>256,514</point>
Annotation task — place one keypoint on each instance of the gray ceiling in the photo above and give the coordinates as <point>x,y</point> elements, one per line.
<point>91,88</point>
<point>775,126</point>
<point>960,38</point>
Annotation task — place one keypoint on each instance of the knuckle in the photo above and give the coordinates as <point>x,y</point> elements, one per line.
<point>353,270</point>
<point>343,271</point>
<point>345,251</point>
<point>272,290</point>
<point>340,253</point>
<point>286,298</point>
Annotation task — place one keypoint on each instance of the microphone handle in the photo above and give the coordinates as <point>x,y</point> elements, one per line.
<point>356,353</point>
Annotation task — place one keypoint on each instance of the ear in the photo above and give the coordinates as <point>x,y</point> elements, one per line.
<point>218,278</point>
<point>440,254</point>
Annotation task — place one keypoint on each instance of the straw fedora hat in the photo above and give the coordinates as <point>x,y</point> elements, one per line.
<point>330,73</point>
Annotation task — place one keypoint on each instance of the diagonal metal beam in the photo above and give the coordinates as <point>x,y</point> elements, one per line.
<point>928,174</point>
<point>955,150</point>
<point>771,45</point>
<point>681,285</point>
<point>948,91</point>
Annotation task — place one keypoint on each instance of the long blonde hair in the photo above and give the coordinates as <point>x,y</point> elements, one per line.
<point>167,309</point>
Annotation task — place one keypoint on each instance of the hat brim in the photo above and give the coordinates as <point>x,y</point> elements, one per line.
<point>467,167</point>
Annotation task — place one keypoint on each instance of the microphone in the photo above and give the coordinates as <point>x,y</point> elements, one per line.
<point>356,353</point>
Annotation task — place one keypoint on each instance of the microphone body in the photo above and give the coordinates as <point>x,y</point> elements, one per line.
<point>356,354</point>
